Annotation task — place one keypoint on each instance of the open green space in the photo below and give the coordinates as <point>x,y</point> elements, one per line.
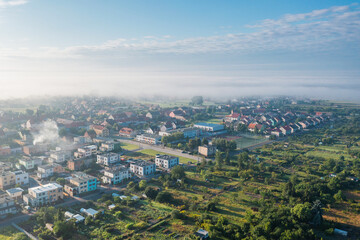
<point>215,121</point>
<point>244,142</point>
<point>128,146</point>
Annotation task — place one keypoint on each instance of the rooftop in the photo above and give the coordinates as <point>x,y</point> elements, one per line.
<point>14,190</point>
<point>142,163</point>
<point>5,198</point>
<point>204,124</point>
<point>46,187</point>
<point>166,157</point>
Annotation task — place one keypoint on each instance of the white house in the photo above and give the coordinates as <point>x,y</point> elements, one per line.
<point>45,171</point>
<point>149,138</point>
<point>7,205</point>
<point>166,161</point>
<point>30,163</point>
<point>44,194</point>
<point>15,193</point>
<point>108,159</point>
<point>142,168</point>
<point>21,177</point>
<point>116,175</point>
<point>86,151</point>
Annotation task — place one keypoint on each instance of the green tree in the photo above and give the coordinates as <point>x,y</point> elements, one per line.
<point>151,193</point>
<point>197,100</point>
<point>64,229</point>
<point>219,159</point>
<point>178,172</point>
<point>164,197</point>
<point>142,184</point>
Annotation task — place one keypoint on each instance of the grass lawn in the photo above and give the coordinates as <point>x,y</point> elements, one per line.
<point>151,152</point>
<point>8,233</point>
<point>128,146</point>
<point>214,120</point>
<point>244,142</point>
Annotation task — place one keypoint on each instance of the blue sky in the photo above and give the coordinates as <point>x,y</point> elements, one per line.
<point>157,47</point>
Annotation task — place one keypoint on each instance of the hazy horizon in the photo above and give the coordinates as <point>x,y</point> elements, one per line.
<point>180,48</point>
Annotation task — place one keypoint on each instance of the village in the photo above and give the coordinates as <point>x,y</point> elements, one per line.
<point>79,151</point>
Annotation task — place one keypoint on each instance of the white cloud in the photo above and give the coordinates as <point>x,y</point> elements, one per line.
<point>319,30</point>
<point>11,3</point>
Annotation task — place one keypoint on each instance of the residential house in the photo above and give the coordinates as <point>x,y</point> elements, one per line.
<point>116,175</point>
<point>255,127</point>
<point>86,151</point>
<point>80,183</point>
<point>108,159</point>
<point>286,130</point>
<point>100,131</point>
<point>149,138</point>
<point>109,146</point>
<point>233,117</point>
<point>152,130</point>
<point>207,150</point>
<point>166,161</point>
<point>59,156</point>
<point>5,150</point>
<point>178,114</point>
<point>84,139</point>
<point>79,163</point>
<point>276,132</point>
<point>45,171</point>
<point>45,194</point>
<point>30,163</point>
<point>7,206</point>
<point>127,132</point>
<point>35,149</point>
<point>15,193</point>
<point>8,179</point>
<point>142,168</point>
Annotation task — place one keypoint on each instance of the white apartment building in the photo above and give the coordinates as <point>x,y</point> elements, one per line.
<point>166,161</point>
<point>45,194</point>
<point>107,146</point>
<point>7,205</point>
<point>15,193</point>
<point>59,156</point>
<point>30,163</point>
<point>116,175</point>
<point>45,171</point>
<point>142,168</point>
<point>8,179</point>
<point>108,159</point>
<point>149,138</point>
<point>86,151</point>
<point>21,177</point>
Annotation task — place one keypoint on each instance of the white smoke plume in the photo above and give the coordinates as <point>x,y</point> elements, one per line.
<point>48,133</point>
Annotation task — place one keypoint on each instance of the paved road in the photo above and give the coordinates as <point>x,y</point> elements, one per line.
<point>167,150</point>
